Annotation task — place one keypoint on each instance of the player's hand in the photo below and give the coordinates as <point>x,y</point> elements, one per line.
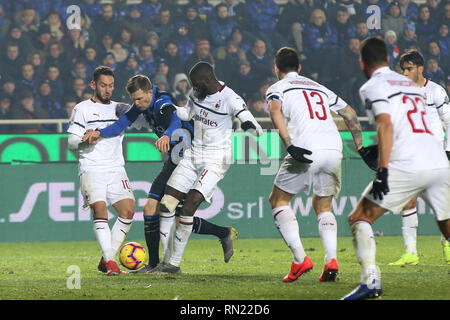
<point>448,155</point>
<point>250,127</point>
<point>370,156</point>
<point>91,136</point>
<point>163,144</point>
<point>380,185</point>
<point>299,153</point>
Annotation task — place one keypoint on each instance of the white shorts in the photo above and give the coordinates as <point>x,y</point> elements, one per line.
<point>324,174</point>
<point>107,186</point>
<point>202,176</point>
<point>433,186</point>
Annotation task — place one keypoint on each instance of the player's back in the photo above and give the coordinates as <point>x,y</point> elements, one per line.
<point>107,153</point>
<point>414,145</point>
<point>306,106</point>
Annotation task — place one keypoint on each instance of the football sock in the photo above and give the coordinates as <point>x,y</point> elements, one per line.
<point>287,225</point>
<point>201,226</point>
<point>409,230</point>
<point>119,232</point>
<point>328,232</point>
<point>152,236</point>
<point>103,236</point>
<point>365,250</point>
<point>182,234</point>
<point>166,230</point>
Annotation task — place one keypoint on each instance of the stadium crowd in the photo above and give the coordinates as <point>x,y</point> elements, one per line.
<point>46,67</point>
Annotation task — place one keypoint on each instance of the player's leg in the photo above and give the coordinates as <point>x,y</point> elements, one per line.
<point>360,221</point>
<point>410,223</point>
<point>122,226</point>
<point>287,225</point>
<point>327,225</point>
<point>151,230</point>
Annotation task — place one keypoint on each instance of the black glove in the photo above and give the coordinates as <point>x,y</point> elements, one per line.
<point>370,156</point>
<point>248,125</point>
<point>448,155</point>
<point>298,153</point>
<point>380,184</point>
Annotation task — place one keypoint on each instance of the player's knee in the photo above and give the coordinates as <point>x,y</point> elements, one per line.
<point>168,203</point>
<point>151,207</point>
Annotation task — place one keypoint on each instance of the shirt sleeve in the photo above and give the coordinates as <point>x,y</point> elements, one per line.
<point>335,102</point>
<point>187,112</point>
<point>77,122</point>
<point>375,100</point>
<point>273,93</point>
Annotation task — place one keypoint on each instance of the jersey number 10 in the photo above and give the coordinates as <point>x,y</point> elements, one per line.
<point>315,114</point>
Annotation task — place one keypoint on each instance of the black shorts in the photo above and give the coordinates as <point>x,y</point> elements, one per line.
<point>159,184</point>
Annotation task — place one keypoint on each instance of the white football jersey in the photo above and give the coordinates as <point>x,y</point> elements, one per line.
<point>436,99</point>
<point>306,107</point>
<point>414,145</point>
<point>107,153</point>
<point>213,122</point>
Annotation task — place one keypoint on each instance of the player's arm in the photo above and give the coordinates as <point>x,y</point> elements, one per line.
<point>187,112</point>
<point>76,129</point>
<point>385,133</point>
<point>279,124</point>
<point>353,125</point>
<point>169,120</point>
<point>443,108</point>
<point>248,121</point>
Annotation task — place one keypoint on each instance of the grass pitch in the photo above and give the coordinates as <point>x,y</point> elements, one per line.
<point>41,271</point>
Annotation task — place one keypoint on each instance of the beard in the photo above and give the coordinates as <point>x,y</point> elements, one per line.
<point>101,99</point>
<point>201,94</point>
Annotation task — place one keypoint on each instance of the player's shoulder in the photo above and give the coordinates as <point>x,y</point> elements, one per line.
<point>84,105</point>
<point>229,94</point>
<point>434,87</point>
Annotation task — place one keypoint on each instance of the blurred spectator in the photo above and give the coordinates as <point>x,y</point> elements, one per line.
<point>5,112</point>
<point>90,59</point>
<point>136,22</point>
<point>80,71</point>
<point>292,21</point>
<point>202,53</point>
<point>45,101</point>
<point>447,84</point>
<point>147,62</point>
<point>354,9</point>
<point>197,26</point>
<point>220,25</point>
<point>58,58</point>
<point>109,60</point>
<point>204,8</point>
<point>87,31</point>
<point>152,39</point>
<point>228,61</point>
<point>56,27</point>
<point>78,88</point>
<point>444,40</point>
<point>258,105</point>
<point>345,28</point>
<point>408,9</point>
<point>172,57</point>
<point>246,82</point>
<point>106,22</point>
<point>151,9</point>
<point>5,23</point>
<point>184,43</point>
<point>242,39</point>
<point>9,88</point>
<point>120,53</point>
<point>26,109</point>
<point>56,83</point>
<point>435,13</point>
<point>11,62</point>
<point>362,31</point>
<point>160,81</point>
<point>16,35</point>
<point>37,60</point>
<point>105,45</point>
<point>394,20</point>
<point>260,60</point>
<point>27,82</point>
<point>44,38</point>
<point>29,23</point>
<point>164,69</point>
<point>434,51</point>
<point>446,15</point>
<point>91,7</point>
<point>434,72</point>
<point>163,25</point>
<point>127,38</point>
<point>393,50</point>
<point>74,43</point>
<point>426,29</point>
<point>181,86</point>
<point>125,72</point>
<point>409,39</point>
<point>69,104</point>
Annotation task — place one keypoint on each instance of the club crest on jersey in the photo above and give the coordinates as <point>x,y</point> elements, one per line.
<point>217,106</point>
<point>96,114</point>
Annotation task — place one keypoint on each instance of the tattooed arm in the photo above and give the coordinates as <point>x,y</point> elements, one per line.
<point>353,125</point>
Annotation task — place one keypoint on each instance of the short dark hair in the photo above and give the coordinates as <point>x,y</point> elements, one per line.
<point>102,70</point>
<point>286,60</point>
<point>373,52</point>
<point>203,70</point>
<point>412,56</point>
<point>137,82</point>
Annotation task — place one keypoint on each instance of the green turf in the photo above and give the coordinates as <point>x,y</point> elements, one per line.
<point>39,271</point>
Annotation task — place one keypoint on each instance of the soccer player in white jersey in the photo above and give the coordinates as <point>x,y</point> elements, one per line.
<point>300,109</point>
<point>101,171</point>
<point>212,107</point>
<point>411,161</point>
<point>438,110</point>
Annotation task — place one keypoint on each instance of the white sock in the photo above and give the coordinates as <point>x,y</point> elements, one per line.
<point>182,234</point>
<point>365,250</point>
<point>103,236</point>
<point>328,232</point>
<point>119,232</point>
<point>287,225</point>
<point>410,222</point>
<point>166,230</point>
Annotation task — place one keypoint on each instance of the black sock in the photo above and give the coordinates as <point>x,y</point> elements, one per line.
<point>201,226</point>
<point>151,230</point>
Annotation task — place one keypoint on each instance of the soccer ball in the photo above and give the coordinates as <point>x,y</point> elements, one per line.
<point>132,255</point>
